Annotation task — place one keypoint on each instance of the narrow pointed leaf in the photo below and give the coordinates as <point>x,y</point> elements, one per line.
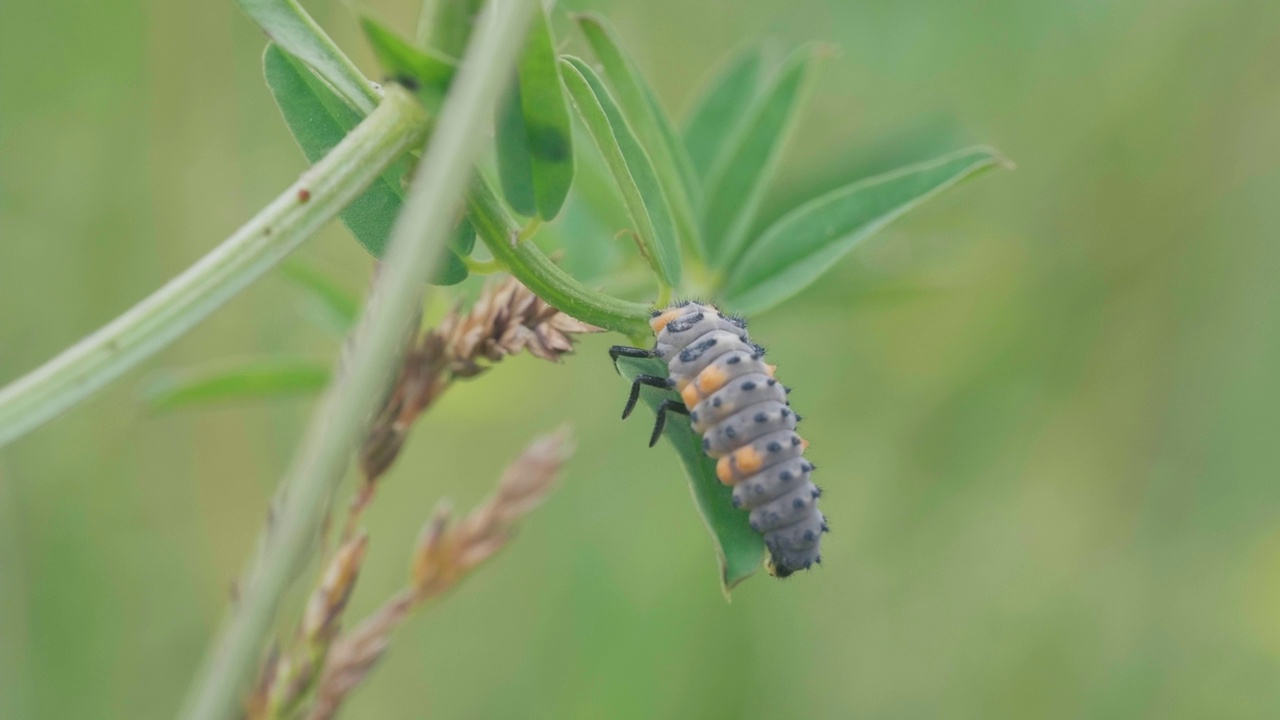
<point>629,165</point>
<point>651,124</point>
<point>739,549</point>
<point>253,380</point>
<point>427,73</point>
<point>535,137</point>
<point>319,119</point>
<point>719,112</point>
<point>803,244</point>
<point>688,178</point>
<point>334,307</point>
<point>290,27</point>
<point>446,24</point>
<point>737,183</point>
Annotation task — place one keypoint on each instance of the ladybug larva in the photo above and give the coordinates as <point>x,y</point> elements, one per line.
<point>741,411</point>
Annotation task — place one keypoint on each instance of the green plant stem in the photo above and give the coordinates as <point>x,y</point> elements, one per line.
<point>318,195</point>
<point>342,417</point>
<point>482,267</point>
<point>524,260</point>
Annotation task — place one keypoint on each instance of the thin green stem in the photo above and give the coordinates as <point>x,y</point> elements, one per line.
<point>664,294</point>
<point>496,229</point>
<point>342,418</point>
<point>529,230</point>
<point>482,267</point>
<point>318,195</point>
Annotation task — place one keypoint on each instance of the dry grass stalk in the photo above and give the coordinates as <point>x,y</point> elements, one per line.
<point>287,677</point>
<point>445,555</point>
<point>506,320</point>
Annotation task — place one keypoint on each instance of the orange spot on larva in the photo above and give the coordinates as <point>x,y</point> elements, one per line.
<point>711,379</point>
<point>724,470</point>
<point>804,444</point>
<point>747,460</point>
<point>660,323</point>
<point>770,370</point>
<point>690,395</point>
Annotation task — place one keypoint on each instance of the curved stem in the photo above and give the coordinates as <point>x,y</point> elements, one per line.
<point>482,267</point>
<point>343,415</point>
<point>318,195</point>
<point>524,260</point>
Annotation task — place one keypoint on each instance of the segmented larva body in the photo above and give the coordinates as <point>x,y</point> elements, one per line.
<point>741,411</point>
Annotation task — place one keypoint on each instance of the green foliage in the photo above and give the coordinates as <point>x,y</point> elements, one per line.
<point>630,167</point>
<point>319,120</point>
<point>797,249</point>
<point>699,192</point>
<point>737,182</point>
<point>335,308</point>
<point>652,127</point>
<point>446,24</point>
<point>529,265</point>
<point>534,135</point>
<point>428,72</point>
<point>721,110</point>
<point>739,549</point>
<point>251,380</point>
<point>290,27</point>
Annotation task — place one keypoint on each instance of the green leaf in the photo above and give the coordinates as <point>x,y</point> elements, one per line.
<point>739,549</point>
<point>335,308</point>
<point>720,110</point>
<point>429,73</point>
<point>805,242</point>
<point>651,124</point>
<point>535,137</point>
<point>290,27</point>
<point>319,119</point>
<point>737,182</point>
<point>629,165</point>
<point>252,380</point>
<point>446,24</point>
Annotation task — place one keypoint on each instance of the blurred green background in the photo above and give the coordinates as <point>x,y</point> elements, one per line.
<point>1044,406</point>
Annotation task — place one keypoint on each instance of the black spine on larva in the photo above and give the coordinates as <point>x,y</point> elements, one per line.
<point>744,407</point>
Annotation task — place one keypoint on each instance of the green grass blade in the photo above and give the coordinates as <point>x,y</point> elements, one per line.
<point>739,549</point>
<point>651,124</point>
<point>803,244</point>
<point>290,27</point>
<point>429,72</point>
<point>334,307</point>
<point>534,135</point>
<point>319,119</point>
<point>253,380</point>
<point>720,110</point>
<point>630,166</point>
<point>737,182</point>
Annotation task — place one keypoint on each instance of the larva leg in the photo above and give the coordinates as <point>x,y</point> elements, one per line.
<point>674,406</point>
<point>650,380</point>
<point>618,351</point>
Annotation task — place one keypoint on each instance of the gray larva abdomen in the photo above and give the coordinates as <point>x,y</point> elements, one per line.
<point>742,414</point>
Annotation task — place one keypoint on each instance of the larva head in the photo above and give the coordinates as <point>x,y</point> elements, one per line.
<point>776,570</point>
